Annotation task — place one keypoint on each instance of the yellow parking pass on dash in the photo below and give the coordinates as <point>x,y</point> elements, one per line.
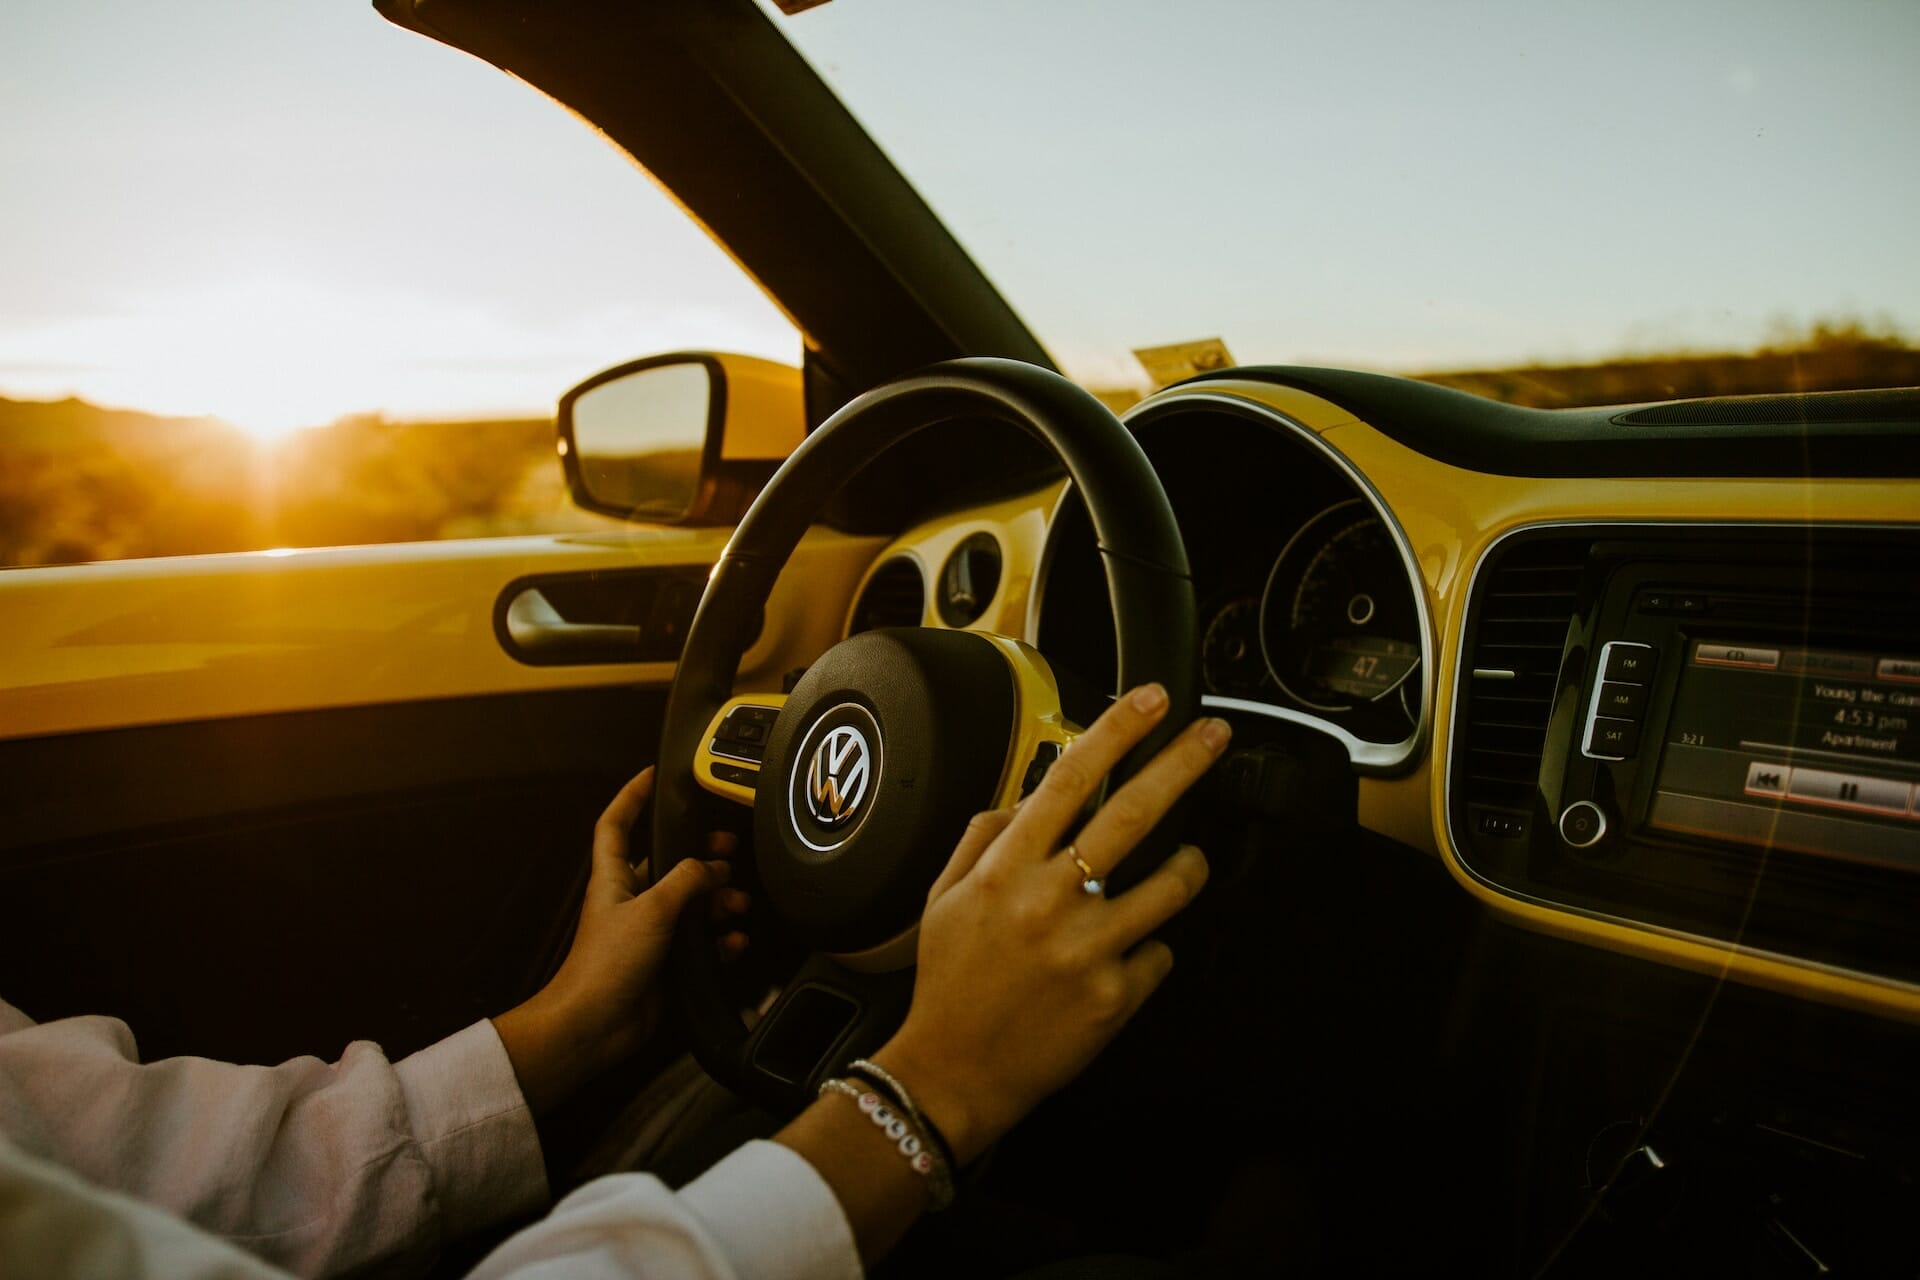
<point>1169,364</point>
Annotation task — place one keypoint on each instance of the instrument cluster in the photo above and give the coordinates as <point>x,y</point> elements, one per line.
<point>1307,604</point>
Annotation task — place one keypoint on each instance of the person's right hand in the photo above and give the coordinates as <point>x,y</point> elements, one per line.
<point>1024,975</point>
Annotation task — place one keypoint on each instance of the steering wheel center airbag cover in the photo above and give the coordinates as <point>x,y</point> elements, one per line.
<point>884,750</point>
<point>837,761</point>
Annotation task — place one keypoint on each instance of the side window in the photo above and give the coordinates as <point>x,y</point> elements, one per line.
<point>256,301</point>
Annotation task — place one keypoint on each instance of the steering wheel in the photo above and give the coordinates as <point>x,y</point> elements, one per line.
<point>863,777</point>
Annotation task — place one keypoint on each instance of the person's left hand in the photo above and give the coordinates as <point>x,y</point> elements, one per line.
<point>606,999</point>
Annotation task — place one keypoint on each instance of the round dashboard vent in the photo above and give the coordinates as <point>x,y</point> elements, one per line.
<point>968,580</point>
<point>895,596</point>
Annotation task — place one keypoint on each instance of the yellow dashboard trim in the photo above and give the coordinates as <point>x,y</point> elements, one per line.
<point>1020,526</point>
<point>1450,518</point>
<point>140,642</point>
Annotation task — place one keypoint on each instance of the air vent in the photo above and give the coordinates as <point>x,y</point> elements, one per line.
<point>968,580</point>
<point>1520,630</point>
<point>895,596</point>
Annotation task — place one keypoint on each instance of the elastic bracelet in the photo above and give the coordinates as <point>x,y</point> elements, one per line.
<point>883,1079</point>
<point>920,1157</point>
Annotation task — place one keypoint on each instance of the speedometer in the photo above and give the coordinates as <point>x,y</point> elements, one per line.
<point>1338,624</point>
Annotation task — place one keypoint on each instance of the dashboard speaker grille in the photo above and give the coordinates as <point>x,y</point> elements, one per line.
<point>1520,630</point>
<point>895,596</point>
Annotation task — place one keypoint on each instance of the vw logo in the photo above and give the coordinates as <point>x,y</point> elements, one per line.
<point>837,776</point>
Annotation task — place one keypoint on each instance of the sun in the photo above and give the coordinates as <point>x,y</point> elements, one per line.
<point>266,430</point>
<point>267,354</point>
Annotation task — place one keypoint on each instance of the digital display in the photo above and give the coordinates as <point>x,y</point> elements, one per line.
<point>1814,750</point>
<point>1365,667</point>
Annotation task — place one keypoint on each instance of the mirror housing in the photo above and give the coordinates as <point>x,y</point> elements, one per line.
<point>686,438</point>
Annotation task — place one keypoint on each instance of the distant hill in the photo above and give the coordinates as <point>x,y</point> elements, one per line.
<point>81,482</point>
<point>45,425</point>
<point>1830,356</point>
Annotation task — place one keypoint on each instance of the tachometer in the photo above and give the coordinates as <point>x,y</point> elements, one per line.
<point>1338,625</point>
<point>1230,658</point>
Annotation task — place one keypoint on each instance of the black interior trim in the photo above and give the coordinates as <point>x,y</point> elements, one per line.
<point>1876,436</point>
<point>255,888</point>
<point>180,776</point>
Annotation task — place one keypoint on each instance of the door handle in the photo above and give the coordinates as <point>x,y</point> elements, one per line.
<point>539,631</point>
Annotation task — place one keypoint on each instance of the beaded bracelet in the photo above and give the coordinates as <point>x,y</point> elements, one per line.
<point>881,1078</point>
<point>921,1158</point>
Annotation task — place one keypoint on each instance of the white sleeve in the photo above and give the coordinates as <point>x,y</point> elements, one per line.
<point>763,1213</point>
<point>760,1214</point>
<point>319,1168</point>
<point>55,1226</point>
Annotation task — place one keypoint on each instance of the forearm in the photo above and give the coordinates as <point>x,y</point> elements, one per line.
<point>880,1195</point>
<point>878,1190</point>
<point>553,1053</point>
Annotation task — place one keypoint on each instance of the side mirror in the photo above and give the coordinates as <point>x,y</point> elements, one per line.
<point>687,438</point>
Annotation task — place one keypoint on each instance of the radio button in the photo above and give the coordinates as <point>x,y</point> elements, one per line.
<point>1632,662</point>
<point>1610,739</point>
<point>1629,663</point>
<point>1737,655</point>
<point>1850,791</point>
<point>1820,662</point>
<point>1625,700</point>
<point>1583,824</point>
<point>1764,779</point>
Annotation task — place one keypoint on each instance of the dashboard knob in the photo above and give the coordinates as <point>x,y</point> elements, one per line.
<point>1583,824</point>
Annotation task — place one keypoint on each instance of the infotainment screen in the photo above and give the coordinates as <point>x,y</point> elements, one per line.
<point>1813,750</point>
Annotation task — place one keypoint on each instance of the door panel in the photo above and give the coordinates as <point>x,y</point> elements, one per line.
<point>263,804</point>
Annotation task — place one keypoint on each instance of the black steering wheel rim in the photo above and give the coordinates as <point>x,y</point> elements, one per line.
<point>1148,584</point>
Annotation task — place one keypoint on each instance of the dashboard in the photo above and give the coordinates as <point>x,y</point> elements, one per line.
<point>1309,603</point>
<point>1535,635</point>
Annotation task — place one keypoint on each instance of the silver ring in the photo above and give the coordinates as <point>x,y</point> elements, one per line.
<point>1092,883</point>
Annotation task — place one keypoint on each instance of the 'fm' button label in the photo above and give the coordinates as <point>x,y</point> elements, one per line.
<point>1630,662</point>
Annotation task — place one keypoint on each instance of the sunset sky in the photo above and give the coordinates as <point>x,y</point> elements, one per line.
<point>284,212</point>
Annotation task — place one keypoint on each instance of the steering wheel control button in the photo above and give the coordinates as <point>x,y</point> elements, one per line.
<point>1610,739</point>
<point>724,772</point>
<point>1629,662</point>
<point>1043,757</point>
<point>1583,824</point>
<point>839,764</point>
<point>743,734</point>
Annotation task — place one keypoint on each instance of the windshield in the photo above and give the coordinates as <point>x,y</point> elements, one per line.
<point>1410,187</point>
